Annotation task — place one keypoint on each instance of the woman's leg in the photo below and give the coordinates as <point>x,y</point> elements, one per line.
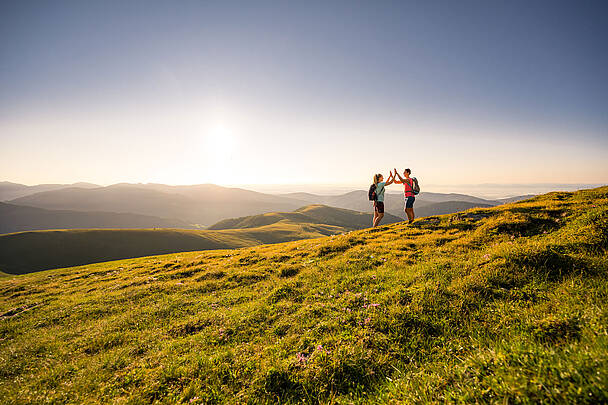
<point>375,215</point>
<point>378,218</point>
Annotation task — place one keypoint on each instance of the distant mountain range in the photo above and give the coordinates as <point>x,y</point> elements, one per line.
<point>63,248</point>
<point>199,205</point>
<point>9,191</point>
<point>85,205</point>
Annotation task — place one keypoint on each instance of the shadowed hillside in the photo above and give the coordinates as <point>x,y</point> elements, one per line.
<point>62,248</point>
<point>500,305</point>
<point>16,218</point>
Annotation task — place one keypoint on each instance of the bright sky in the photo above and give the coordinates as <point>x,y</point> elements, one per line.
<point>303,92</point>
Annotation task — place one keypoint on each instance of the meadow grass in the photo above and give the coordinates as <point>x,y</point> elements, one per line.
<point>500,305</point>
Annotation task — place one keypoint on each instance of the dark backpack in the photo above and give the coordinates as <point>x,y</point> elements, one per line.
<point>416,187</point>
<point>372,193</point>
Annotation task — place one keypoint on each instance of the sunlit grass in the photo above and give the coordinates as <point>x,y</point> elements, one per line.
<point>491,305</point>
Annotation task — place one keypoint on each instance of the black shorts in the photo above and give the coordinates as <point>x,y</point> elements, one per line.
<point>379,207</point>
<point>409,202</point>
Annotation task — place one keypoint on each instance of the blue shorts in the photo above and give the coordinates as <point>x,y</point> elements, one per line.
<point>409,202</point>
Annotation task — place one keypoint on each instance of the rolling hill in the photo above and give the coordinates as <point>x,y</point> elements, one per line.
<point>16,218</point>
<point>312,214</point>
<point>63,248</point>
<point>499,305</point>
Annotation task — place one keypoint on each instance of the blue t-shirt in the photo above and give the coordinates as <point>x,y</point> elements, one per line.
<point>380,191</point>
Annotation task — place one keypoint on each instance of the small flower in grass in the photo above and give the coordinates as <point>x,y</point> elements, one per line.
<point>374,276</point>
<point>301,358</point>
<point>367,320</point>
<point>486,256</point>
<point>320,348</point>
<point>193,399</point>
<point>374,305</point>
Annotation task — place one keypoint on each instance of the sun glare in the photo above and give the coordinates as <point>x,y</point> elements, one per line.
<point>220,147</point>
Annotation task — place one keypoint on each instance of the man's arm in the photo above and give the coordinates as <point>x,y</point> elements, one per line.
<point>400,178</point>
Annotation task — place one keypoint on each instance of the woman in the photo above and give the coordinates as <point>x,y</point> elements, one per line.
<point>409,195</point>
<point>379,202</point>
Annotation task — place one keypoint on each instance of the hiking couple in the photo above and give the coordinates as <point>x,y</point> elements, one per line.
<point>376,193</point>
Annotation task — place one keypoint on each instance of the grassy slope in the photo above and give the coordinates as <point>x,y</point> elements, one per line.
<point>508,304</point>
<point>447,207</point>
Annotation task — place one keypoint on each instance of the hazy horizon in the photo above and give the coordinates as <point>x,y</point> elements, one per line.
<point>303,93</point>
<point>489,191</point>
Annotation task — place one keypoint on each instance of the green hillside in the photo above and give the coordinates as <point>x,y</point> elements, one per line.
<point>312,214</point>
<point>64,248</point>
<point>500,305</point>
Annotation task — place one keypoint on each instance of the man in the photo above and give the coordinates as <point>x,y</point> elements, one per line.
<point>410,197</point>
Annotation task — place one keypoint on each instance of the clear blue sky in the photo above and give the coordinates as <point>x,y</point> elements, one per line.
<point>303,92</point>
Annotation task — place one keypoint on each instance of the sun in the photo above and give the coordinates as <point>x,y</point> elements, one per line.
<point>220,149</point>
<point>220,140</point>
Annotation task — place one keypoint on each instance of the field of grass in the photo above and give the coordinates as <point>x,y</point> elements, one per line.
<point>499,305</point>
